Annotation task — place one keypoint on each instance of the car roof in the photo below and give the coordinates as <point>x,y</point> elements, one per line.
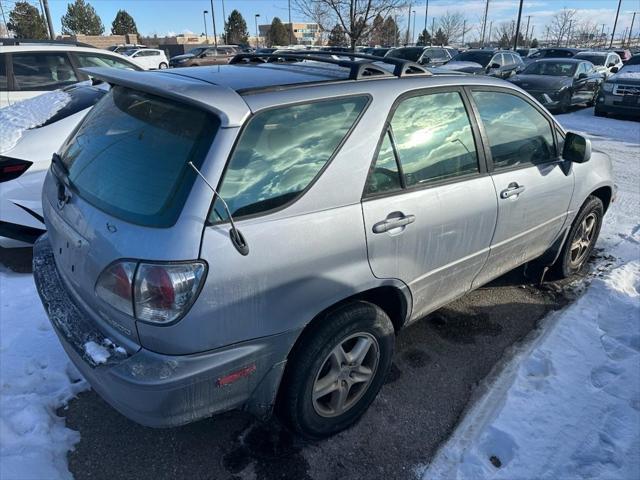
<point>594,53</point>
<point>566,60</point>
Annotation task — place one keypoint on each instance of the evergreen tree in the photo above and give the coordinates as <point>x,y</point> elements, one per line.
<point>424,38</point>
<point>504,41</point>
<point>337,37</point>
<point>26,22</point>
<point>441,38</point>
<point>123,24</point>
<point>376,36</point>
<point>534,43</point>
<point>81,18</point>
<point>278,33</point>
<point>236,32</point>
<point>391,34</point>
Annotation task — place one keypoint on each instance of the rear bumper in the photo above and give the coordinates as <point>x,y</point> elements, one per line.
<point>159,390</point>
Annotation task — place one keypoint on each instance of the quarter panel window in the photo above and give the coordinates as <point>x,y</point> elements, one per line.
<point>433,138</point>
<point>280,153</point>
<point>518,133</point>
<point>384,176</point>
<point>42,71</point>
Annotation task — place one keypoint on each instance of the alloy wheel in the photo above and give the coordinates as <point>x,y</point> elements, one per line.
<point>582,239</point>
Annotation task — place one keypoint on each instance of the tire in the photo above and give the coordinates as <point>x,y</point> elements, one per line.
<point>314,364</point>
<point>565,102</point>
<point>573,257</point>
<point>592,102</point>
<point>162,66</point>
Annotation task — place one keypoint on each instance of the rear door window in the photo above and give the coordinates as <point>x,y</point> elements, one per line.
<point>86,60</point>
<point>280,153</point>
<point>129,156</point>
<point>42,71</point>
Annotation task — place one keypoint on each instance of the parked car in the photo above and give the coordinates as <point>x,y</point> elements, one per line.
<point>524,52</point>
<point>620,93</point>
<point>501,64</point>
<point>200,257</point>
<point>432,56</point>
<point>624,54</point>
<point>560,83</point>
<point>553,52</point>
<point>148,58</point>
<point>606,63</point>
<point>204,56</point>
<point>125,46</point>
<point>380,51</point>
<point>29,68</point>
<point>25,158</point>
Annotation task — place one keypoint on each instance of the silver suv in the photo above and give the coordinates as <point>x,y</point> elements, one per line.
<point>254,235</point>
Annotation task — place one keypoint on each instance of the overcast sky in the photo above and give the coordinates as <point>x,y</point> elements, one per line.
<point>163,17</point>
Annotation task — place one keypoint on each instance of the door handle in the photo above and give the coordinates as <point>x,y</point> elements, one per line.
<point>513,190</point>
<point>391,223</point>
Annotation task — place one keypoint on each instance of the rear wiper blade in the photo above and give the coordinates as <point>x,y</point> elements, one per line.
<point>59,164</point>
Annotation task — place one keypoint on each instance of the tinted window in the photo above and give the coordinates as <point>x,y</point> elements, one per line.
<point>406,53</point>
<point>97,60</point>
<point>595,59</point>
<point>384,176</point>
<point>129,157</point>
<point>474,56</point>
<point>518,133</point>
<point>42,71</point>
<point>556,69</point>
<point>280,153</point>
<point>433,138</point>
<point>3,73</point>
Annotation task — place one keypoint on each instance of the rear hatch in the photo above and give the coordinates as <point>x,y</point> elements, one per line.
<point>121,188</point>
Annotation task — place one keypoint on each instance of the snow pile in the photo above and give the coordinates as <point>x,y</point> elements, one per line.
<point>567,405</point>
<point>29,113</point>
<point>36,378</point>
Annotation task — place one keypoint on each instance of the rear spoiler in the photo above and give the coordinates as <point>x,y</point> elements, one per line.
<point>222,101</point>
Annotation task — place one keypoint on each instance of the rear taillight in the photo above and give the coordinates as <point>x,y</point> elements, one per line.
<point>157,293</point>
<point>11,168</point>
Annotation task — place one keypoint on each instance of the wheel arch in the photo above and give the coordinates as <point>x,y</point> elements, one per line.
<point>605,194</point>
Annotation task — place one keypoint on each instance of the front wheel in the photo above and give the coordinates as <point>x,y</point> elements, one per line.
<point>162,66</point>
<point>336,370</point>
<point>581,239</point>
<point>565,102</point>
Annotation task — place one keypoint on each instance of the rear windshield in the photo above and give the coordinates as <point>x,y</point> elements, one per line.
<point>555,69</point>
<point>129,157</point>
<point>406,53</point>
<point>595,59</point>
<point>477,57</point>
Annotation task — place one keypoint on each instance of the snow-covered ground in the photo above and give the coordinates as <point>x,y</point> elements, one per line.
<point>566,405</point>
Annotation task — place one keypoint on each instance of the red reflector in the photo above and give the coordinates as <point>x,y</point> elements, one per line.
<point>232,377</point>
<point>15,168</point>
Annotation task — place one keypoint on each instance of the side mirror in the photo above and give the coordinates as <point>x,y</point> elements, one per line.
<point>614,69</point>
<point>425,60</point>
<point>576,148</point>
<point>582,76</point>
<point>494,66</point>
<point>612,64</point>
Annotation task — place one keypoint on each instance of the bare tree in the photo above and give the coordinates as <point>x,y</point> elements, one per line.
<point>354,16</point>
<point>560,25</point>
<point>586,33</point>
<point>452,25</point>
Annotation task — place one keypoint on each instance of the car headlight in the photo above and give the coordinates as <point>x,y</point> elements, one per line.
<point>607,87</point>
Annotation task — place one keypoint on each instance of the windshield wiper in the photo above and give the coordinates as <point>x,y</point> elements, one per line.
<point>56,160</point>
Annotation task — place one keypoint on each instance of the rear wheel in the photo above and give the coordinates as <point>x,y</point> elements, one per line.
<point>162,66</point>
<point>336,370</point>
<point>581,239</point>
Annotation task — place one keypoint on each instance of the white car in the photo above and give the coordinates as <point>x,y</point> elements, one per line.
<point>30,68</point>
<point>148,58</point>
<point>606,63</point>
<point>30,132</point>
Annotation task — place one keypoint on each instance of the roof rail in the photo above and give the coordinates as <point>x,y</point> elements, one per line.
<point>357,69</point>
<point>29,41</point>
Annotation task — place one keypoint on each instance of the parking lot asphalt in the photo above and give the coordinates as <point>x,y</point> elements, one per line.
<point>438,365</point>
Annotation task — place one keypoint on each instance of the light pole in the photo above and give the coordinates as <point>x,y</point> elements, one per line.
<point>395,23</point>
<point>433,29</point>
<point>484,24</point>
<point>409,24</point>
<point>615,24</point>
<point>464,29</point>
<point>290,25</point>
<point>257,15</point>
<point>224,24</point>
<point>526,35</point>
<point>213,20</point>
<point>602,37</point>
<point>515,41</point>
<point>631,28</point>
<point>426,14</point>
<point>204,18</point>
<point>413,35</point>
<point>490,28</point>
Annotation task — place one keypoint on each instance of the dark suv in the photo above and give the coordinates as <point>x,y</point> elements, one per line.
<point>219,55</point>
<point>620,93</point>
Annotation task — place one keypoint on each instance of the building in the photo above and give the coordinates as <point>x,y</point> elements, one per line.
<point>303,33</point>
<point>102,41</point>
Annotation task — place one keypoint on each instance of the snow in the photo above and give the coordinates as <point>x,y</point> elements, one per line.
<point>96,352</point>
<point>566,403</point>
<point>29,113</point>
<point>36,378</point>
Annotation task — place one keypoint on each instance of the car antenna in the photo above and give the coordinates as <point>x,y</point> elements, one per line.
<point>236,236</point>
